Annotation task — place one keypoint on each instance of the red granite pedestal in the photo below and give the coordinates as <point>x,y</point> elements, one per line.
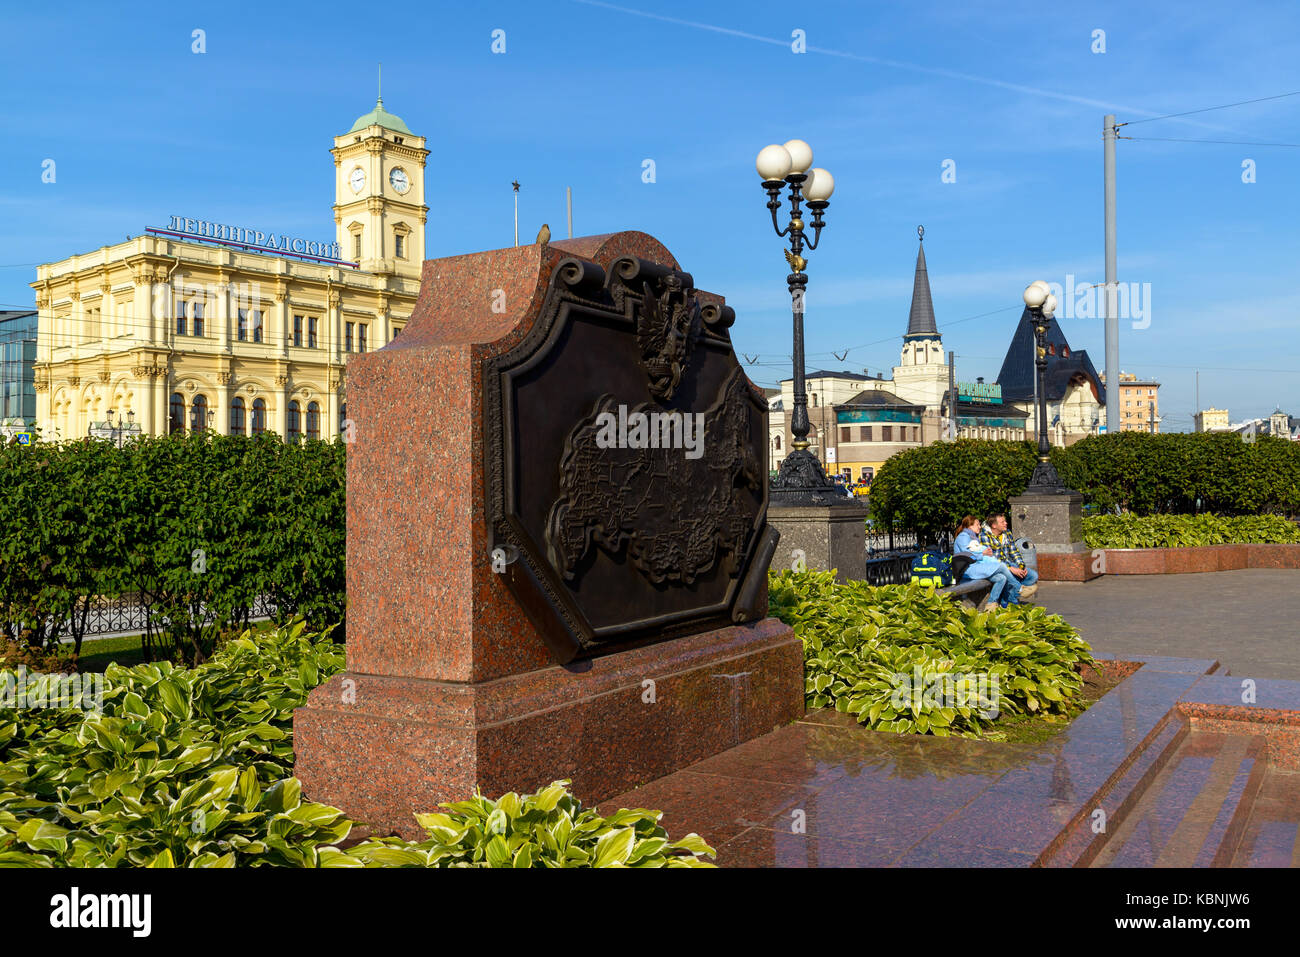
<point>384,748</point>
<point>449,685</point>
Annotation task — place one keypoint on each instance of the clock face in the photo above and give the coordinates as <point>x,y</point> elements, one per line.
<point>398,178</point>
<point>358,180</point>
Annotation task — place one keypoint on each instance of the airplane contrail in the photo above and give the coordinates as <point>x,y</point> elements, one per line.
<point>901,65</point>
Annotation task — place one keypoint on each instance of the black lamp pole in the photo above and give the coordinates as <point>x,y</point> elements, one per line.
<point>1045,480</point>
<point>801,479</point>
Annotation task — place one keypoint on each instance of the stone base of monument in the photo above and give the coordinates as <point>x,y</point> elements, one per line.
<point>829,536</point>
<point>384,748</point>
<point>1054,523</point>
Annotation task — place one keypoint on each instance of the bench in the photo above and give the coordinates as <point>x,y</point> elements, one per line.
<point>970,593</point>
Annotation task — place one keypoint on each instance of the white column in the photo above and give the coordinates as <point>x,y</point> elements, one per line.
<point>223,315</point>
<point>161,397</point>
<point>282,324</point>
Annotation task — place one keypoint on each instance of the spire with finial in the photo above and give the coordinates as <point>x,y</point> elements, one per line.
<point>380,116</point>
<point>920,321</point>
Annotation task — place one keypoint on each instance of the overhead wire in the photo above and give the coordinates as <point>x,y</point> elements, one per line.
<point>1208,109</point>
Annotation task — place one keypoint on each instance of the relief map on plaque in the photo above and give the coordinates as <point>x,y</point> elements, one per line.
<point>641,492</point>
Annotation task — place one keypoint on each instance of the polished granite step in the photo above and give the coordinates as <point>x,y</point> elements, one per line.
<point>1193,812</point>
<point>1178,765</point>
<point>1272,834</point>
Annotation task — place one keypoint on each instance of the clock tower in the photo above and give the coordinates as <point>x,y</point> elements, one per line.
<point>379,209</point>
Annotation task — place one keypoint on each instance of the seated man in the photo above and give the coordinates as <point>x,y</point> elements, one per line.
<point>1005,588</point>
<point>994,534</point>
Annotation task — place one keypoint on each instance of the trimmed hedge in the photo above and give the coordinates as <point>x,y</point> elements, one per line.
<point>1181,531</point>
<point>1183,473</point>
<point>193,527</point>
<point>931,488</point>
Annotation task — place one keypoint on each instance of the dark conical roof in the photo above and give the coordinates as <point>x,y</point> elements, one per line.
<point>1064,365</point>
<point>920,321</point>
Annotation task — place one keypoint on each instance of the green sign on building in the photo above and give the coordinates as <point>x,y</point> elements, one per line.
<point>989,392</point>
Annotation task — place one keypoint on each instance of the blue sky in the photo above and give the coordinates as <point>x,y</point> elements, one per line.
<point>141,128</point>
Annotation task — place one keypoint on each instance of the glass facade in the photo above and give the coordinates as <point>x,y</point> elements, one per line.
<point>17,375</point>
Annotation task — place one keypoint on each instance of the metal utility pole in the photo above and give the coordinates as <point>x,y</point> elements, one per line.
<point>952,394</point>
<point>568,202</point>
<point>1151,409</point>
<point>1112,287</point>
<point>515,184</point>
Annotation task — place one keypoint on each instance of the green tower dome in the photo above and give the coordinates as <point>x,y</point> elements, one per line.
<point>380,117</point>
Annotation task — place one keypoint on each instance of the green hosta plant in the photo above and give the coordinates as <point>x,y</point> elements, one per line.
<point>193,767</point>
<point>182,767</point>
<point>1182,531</point>
<point>546,829</point>
<point>903,658</point>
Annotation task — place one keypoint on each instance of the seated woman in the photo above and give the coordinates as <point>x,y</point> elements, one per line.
<point>1005,586</point>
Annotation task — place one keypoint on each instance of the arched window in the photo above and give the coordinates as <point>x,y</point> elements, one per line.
<point>237,416</point>
<point>313,420</point>
<point>295,422</point>
<point>776,442</point>
<point>176,414</point>
<point>199,413</point>
<point>259,416</point>
<point>343,416</point>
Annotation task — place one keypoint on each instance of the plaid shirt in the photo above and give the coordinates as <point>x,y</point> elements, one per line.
<point>1004,548</point>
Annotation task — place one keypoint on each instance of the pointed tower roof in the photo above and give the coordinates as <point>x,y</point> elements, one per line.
<point>1064,365</point>
<point>920,321</point>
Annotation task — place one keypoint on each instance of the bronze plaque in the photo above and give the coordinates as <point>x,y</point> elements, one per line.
<point>626,458</point>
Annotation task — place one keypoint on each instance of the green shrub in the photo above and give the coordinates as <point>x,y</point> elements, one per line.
<point>1179,531</point>
<point>193,527</point>
<point>182,767</point>
<point>929,489</point>
<point>546,829</point>
<point>1179,473</point>
<point>194,768</point>
<point>859,639</point>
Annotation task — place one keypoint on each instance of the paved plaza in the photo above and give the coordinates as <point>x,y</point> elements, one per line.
<point>1181,788</point>
<point>1248,619</point>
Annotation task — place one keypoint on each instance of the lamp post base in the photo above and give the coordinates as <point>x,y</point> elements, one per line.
<point>1046,481</point>
<point>801,482</point>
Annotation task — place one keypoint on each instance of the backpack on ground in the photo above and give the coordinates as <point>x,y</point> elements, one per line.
<point>932,568</point>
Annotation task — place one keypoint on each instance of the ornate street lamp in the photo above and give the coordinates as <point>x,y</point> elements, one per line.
<point>121,428</point>
<point>801,480</point>
<point>1042,306</point>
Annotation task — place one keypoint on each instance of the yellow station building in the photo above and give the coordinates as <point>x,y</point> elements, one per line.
<point>200,324</point>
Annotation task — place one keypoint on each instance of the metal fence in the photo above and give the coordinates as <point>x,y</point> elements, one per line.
<point>123,615</point>
<point>890,553</point>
